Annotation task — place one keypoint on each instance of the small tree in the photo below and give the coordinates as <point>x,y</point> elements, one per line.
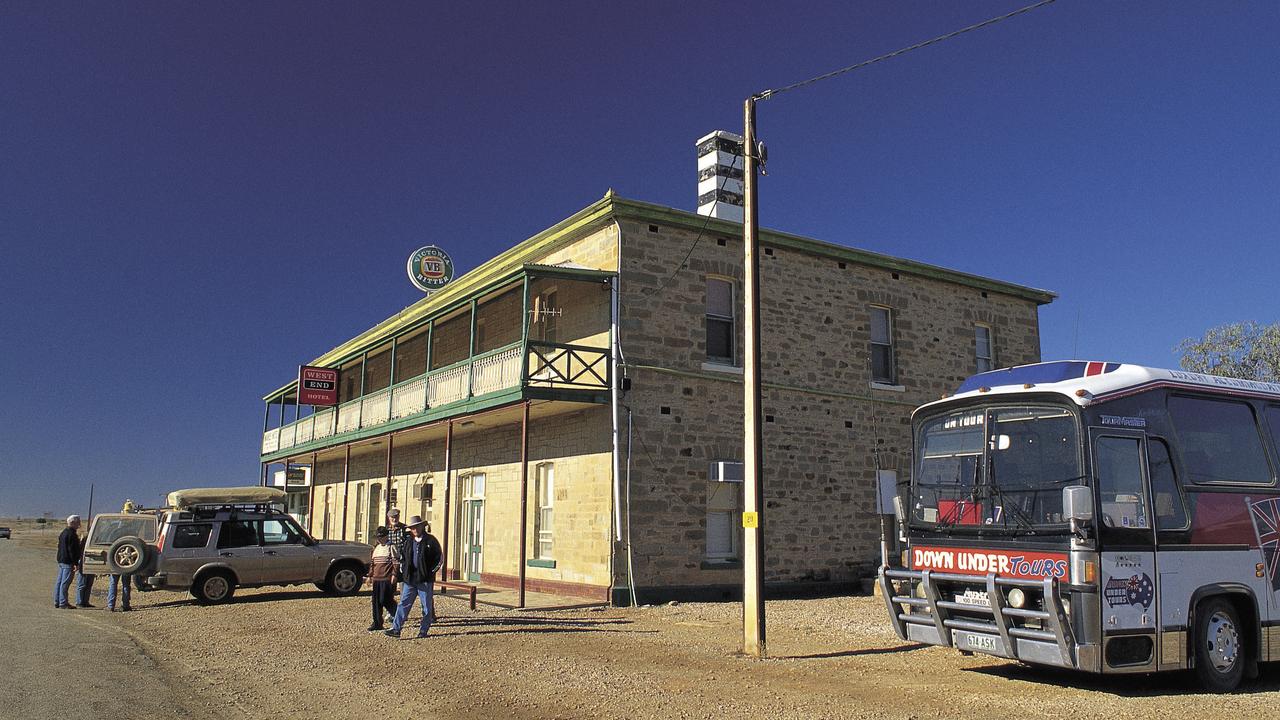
<point>1246,350</point>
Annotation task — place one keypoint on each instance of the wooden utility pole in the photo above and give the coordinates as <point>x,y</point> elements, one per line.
<point>753,635</point>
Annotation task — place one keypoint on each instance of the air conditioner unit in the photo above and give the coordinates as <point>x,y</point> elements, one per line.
<point>726,472</point>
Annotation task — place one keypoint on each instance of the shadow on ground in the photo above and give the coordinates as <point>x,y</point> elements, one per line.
<point>855,653</point>
<point>1129,686</point>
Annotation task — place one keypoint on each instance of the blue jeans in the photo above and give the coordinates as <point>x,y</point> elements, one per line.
<point>62,585</point>
<point>84,586</point>
<point>123,582</point>
<point>425,591</point>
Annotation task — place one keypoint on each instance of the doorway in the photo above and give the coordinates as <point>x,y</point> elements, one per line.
<point>471,526</point>
<point>374,517</point>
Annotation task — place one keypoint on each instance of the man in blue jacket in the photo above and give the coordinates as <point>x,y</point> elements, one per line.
<point>69,552</point>
<point>420,558</point>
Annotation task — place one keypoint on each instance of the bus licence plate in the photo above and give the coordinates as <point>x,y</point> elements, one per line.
<point>983,643</point>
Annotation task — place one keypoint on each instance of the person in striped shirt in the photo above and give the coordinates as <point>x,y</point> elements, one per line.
<point>382,572</point>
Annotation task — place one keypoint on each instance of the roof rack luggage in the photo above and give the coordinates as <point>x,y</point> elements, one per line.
<point>254,496</point>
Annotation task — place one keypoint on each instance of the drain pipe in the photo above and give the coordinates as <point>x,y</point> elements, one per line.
<point>613,394</point>
<point>631,575</point>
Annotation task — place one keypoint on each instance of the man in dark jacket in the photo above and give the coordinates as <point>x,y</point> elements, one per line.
<point>419,562</point>
<point>69,552</point>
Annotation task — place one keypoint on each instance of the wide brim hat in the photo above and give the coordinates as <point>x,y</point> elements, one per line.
<point>415,521</point>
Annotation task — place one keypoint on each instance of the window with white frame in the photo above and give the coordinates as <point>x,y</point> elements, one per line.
<point>545,316</point>
<point>724,508</point>
<point>984,349</point>
<point>720,321</point>
<point>544,517</point>
<point>882,370</point>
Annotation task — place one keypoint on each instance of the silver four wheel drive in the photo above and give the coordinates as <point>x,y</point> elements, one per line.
<point>211,548</point>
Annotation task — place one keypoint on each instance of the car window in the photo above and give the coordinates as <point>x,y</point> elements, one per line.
<point>238,533</point>
<point>107,530</point>
<point>194,535</point>
<point>279,532</point>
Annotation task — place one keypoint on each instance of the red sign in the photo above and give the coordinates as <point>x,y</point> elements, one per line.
<point>1010,563</point>
<point>317,386</point>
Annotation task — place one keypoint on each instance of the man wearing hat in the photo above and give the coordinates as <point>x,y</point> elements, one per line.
<point>396,532</point>
<point>69,551</point>
<point>421,559</point>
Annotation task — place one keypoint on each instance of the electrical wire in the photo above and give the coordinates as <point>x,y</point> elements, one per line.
<point>701,231</point>
<point>766,94</point>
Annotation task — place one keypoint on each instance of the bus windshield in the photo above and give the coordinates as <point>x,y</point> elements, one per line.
<point>995,470</point>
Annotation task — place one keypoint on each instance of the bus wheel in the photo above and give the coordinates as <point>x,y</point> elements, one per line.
<point>1220,649</point>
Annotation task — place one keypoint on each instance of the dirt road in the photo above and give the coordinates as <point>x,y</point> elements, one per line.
<point>296,653</point>
<point>75,663</point>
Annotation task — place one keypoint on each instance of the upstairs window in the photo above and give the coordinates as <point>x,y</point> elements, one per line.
<point>984,352</point>
<point>545,316</point>
<point>720,321</point>
<point>882,370</point>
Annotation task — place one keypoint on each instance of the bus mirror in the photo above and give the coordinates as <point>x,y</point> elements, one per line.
<point>1077,503</point>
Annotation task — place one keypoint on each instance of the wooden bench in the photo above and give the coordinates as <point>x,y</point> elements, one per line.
<point>470,589</point>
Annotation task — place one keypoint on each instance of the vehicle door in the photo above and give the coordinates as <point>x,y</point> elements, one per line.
<point>238,548</point>
<point>106,530</point>
<point>185,551</point>
<point>287,557</point>
<point>1127,543</point>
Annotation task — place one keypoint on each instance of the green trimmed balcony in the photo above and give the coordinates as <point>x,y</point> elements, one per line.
<point>524,312</point>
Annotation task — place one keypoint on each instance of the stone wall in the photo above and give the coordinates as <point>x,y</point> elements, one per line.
<point>827,428</point>
<point>576,444</point>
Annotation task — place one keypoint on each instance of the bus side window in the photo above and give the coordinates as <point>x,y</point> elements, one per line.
<point>1171,509</point>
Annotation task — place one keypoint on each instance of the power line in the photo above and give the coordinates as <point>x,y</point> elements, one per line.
<point>766,94</point>
<point>696,240</point>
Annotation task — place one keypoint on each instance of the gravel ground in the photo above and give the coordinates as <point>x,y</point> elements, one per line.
<point>294,652</point>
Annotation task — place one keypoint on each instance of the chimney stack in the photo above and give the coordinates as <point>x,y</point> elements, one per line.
<point>720,175</point>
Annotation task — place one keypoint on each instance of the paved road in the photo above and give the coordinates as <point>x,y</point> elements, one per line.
<point>73,663</point>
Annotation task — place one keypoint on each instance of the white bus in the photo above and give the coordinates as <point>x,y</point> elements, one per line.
<point>1104,517</point>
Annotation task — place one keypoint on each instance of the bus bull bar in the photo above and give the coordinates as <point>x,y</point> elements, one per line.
<point>932,620</point>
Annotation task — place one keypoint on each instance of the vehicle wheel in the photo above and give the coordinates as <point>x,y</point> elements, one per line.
<point>343,580</point>
<point>1220,646</point>
<point>214,587</point>
<point>126,556</point>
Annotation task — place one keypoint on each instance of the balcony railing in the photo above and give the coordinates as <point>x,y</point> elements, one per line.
<point>546,365</point>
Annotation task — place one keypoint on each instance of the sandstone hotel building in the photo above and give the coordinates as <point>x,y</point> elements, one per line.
<point>568,415</point>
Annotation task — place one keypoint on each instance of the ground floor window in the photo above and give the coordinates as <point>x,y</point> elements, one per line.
<point>724,508</point>
<point>420,498</point>
<point>543,519</point>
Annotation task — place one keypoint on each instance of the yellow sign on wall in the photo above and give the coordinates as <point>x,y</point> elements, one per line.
<point>750,520</point>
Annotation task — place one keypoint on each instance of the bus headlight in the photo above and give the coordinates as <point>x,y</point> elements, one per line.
<point>1017,598</point>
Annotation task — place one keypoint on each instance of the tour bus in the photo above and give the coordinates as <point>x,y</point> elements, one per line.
<point>1104,517</point>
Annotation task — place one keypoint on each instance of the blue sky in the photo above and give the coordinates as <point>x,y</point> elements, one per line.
<point>197,197</point>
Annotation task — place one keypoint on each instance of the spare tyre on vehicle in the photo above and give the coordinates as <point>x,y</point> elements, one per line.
<point>127,555</point>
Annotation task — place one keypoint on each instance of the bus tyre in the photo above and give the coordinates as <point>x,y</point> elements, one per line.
<point>1220,648</point>
<point>214,587</point>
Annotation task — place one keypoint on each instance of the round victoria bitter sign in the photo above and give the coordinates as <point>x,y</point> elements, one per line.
<point>430,268</point>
